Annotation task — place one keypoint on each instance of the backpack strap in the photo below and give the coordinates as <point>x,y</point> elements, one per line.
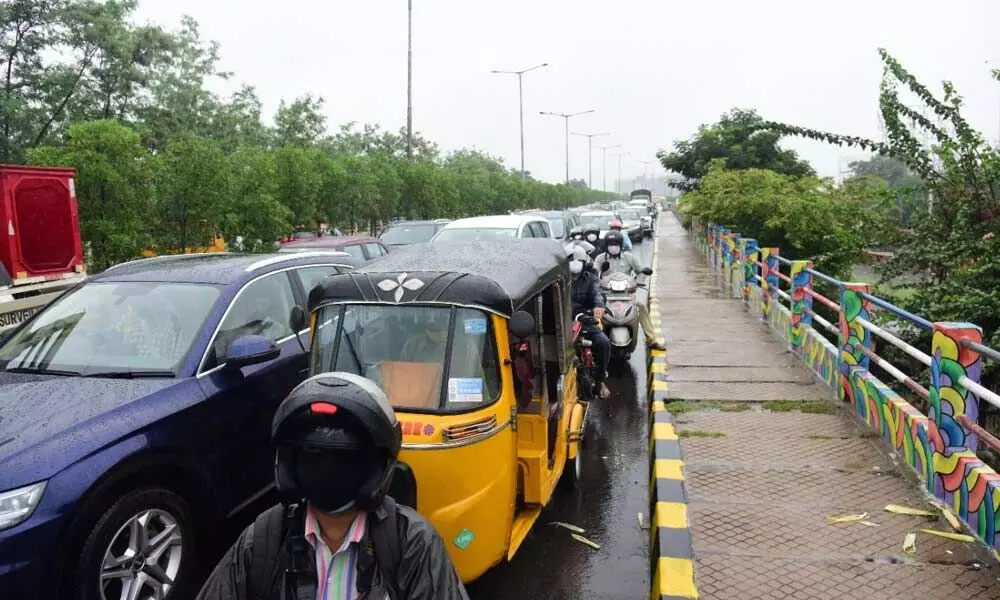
<point>265,554</point>
<point>383,548</point>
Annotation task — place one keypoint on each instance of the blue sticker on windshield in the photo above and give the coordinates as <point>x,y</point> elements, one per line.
<point>461,389</point>
<point>475,326</point>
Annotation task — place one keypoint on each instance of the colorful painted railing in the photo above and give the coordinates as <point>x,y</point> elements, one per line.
<point>941,445</point>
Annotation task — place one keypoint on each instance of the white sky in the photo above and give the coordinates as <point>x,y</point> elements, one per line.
<point>653,69</point>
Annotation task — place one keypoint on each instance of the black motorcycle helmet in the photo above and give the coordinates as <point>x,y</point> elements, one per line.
<point>576,233</point>
<point>592,230</point>
<point>614,238</point>
<point>337,441</point>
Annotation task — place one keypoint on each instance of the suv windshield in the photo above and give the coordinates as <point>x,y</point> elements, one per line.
<point>409,234</point>
<point>474,234</point>
<point>115,328</point>
<point>629,215</point>
<point>404,349</point>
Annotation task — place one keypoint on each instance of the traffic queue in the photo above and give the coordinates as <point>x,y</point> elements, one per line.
<point>143,407</point>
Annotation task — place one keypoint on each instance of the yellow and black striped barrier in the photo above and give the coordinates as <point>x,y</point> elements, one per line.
<point>670,549</point>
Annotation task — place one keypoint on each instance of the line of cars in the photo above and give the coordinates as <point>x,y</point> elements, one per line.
<point>135,408</point>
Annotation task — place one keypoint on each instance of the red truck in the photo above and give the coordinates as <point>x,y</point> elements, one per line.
<point>41,253</point>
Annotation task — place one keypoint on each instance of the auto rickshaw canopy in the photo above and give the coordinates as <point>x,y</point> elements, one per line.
<point>499,277</point>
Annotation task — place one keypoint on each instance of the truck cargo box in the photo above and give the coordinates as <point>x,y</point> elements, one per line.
<point>39,225</point>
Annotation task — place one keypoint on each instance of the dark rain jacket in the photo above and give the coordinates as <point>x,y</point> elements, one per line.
<point>425,571</point>
<point>585,293</point>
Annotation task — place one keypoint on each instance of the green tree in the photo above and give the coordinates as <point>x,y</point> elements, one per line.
<point>192,185</point>
<point>253,212</point>
<point>113,188</point>
<point>738,138</point>
<point>300,123</point>
<point>298,179</point>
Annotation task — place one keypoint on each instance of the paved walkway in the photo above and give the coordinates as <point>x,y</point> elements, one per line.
<point>761,483</point>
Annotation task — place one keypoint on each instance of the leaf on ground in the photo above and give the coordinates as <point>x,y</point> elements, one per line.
<point>870,524</point>
<point>899,509</point>
<point>642,522</point>
<point>584,540</point>
<point>847,518</point>
<point>572,528</point>
<point>949,516</point>
<point>910,544</point>
<point>958,537</point>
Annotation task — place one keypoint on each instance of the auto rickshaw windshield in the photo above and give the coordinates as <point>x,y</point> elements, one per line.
<point>425,358</point>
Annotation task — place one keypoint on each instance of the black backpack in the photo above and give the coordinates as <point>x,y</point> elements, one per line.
<point>268,559</point>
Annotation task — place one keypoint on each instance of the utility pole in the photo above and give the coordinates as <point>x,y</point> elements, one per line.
<point>590,155</point>
<point>645,174</point>
<point>520,100</point>
<point>618,183</point>
<point>409,100</point>
<point>604,165</point>
<point>566,117</point>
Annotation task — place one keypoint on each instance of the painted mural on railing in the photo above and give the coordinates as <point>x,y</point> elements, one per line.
<point>937,446</point>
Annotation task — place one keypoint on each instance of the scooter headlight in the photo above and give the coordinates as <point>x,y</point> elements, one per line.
<point>619,285</point>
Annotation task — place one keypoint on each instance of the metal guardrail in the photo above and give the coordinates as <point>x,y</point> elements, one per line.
<point>941,445</point>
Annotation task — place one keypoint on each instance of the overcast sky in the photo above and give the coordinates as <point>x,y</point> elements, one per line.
<point>653,69</point>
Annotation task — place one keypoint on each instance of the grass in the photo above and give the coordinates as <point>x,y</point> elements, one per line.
<point>685,406</point>
<point>817,408</point>
<point>699,433</point>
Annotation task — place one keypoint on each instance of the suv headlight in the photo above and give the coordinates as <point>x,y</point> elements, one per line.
<point>17,505</point>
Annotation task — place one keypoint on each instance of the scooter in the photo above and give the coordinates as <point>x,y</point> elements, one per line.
<point>621,316</point>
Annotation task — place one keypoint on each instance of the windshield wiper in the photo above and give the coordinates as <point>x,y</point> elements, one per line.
<point>131,374</point>
<point>42,371</point>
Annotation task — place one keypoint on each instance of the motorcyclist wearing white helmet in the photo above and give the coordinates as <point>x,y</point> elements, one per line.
<point>615,260</point>
<point>585,294</point>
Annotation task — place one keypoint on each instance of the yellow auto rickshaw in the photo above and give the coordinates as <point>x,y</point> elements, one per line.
<point>471,342</point>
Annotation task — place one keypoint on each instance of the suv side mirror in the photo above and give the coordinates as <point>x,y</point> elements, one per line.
<point>297,319</point>
<point>521,324</point>
<point>250,350</point>
<point>647,271</point>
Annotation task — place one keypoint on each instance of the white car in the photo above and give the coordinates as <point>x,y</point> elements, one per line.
<point>601,218</point>
<point>497,227</point>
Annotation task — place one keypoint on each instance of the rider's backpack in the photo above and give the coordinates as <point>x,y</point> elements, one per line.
<point>268,561</point>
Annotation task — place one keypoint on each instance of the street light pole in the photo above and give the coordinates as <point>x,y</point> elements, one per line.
<point>618,183</point>
<point>520,101</point>
<point>409,79</point>
<point>590,155</point>
<point>604,165</point>
<point>645,174</point>
<point>566,117</point>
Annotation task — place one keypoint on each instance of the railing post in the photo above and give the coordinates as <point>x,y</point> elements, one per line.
<point>949,398</point>
<point>736,268</point>
<point>713,232</point>
<point>749,252</point>
<point>852,334</point>
<point>768,280</point>
<point>802,302</point>
<point>721,265</point>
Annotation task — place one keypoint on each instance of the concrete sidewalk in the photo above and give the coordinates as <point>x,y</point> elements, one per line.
<point>768,457</point>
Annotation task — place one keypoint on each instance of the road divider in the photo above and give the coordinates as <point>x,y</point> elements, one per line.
<point>670,549</point>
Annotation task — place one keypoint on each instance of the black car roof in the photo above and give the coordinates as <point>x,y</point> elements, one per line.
<point>499,276</point>
<point>216,267</point>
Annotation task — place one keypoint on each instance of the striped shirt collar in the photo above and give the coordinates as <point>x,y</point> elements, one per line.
<point>336,569</point>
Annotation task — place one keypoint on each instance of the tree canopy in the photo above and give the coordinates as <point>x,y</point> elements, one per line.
<point>738,139</point>
<point>165,163</point>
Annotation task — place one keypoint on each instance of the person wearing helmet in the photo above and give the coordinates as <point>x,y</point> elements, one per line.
<point>585,294</point>
<point>576,234</point>
<point>336,533</point>
<point>616,225</point>
<point>615,260</point>
<point>592,235</point>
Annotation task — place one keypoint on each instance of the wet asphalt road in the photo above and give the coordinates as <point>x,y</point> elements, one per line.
<point>551,565</point>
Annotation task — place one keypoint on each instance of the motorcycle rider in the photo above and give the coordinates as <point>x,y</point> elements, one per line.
<point>592,235</point>
<point>614,260</point>
<point>616,225</point>
<point>585,294</point>
<point>576,234</point>
<point>336,532</point>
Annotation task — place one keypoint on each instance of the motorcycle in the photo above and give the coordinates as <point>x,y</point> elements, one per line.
<point>621,316</point>
<point>586,366</point>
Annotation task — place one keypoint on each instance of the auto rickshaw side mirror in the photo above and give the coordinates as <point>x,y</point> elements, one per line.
<point>647,271</point>
<point>521,324</point>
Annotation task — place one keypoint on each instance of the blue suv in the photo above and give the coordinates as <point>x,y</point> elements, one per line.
<point>135,416</point>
